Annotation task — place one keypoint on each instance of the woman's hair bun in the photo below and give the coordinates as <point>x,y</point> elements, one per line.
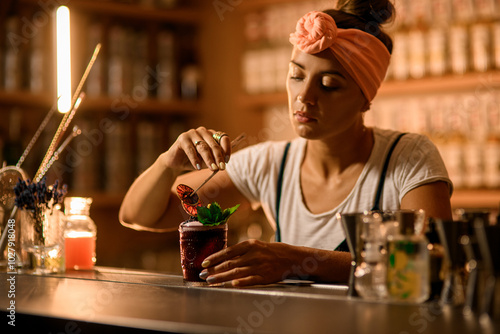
<point>379,11</point>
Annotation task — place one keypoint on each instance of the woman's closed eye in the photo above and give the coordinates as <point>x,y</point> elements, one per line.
<point>296,74</point>
<point>329,83</point>
<point>296,77</point>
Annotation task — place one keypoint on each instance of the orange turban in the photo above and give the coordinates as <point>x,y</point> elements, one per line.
<point>363,55</point>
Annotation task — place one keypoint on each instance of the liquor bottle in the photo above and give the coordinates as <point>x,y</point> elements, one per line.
<point>459,49</point>
<point>166,75</point>
<point>370,274</point>
<point>12,61</point>
<point>13,146</point>
<point>408,278</point>
<point>480,47</point>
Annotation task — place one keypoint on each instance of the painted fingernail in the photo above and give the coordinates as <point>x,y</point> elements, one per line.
<point>203,274</point>
<point>211,280</point>
<point>222,165</point>
<point>198,166</point>
<point>205,264</point>
<point>226,158</point>
<point>213,166</point>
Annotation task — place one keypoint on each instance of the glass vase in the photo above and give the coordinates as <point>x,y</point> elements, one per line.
<point>42,240</point>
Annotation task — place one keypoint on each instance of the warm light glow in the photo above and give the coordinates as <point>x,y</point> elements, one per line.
<point>78,101</point>
<point>63,59</point>
<point>53,254</point>
<point>79,234</point>
<point>77,205</point>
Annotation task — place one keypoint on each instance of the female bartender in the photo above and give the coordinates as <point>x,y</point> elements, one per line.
<point>339,60</point>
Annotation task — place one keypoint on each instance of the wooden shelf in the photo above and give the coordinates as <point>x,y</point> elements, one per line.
<point>131,11</point>
<point>26,99</point>
<point>150,106</point>
<point>477,82</point>
<point>259,4</point>
<point>446,84</point>
<point>476,198</point>
<point>101,199</point>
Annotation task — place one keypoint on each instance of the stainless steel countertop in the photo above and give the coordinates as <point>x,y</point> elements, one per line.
<point>114,300</point>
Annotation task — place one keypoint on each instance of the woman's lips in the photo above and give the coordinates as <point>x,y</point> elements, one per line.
<point>303,117</point>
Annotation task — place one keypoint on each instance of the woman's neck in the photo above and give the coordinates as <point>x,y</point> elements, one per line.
<point>333,156</point>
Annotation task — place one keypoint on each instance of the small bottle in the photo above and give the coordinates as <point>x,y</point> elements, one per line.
<point>408,278</point>
<point>79,234</point>
<point>436,260</point>
<point>370,274</point>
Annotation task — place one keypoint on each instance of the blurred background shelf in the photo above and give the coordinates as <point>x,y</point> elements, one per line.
<point>487,81</point>
<point>24,99</point>
<point>133,11</point>
<point>476,199</point>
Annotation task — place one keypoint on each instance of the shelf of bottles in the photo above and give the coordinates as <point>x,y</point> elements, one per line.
<point>443,81</point>
<point>141,93</point>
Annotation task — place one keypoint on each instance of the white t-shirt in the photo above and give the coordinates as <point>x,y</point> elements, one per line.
<point>254,171</point>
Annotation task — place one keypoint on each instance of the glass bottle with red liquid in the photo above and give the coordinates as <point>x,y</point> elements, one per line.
<point>79,234</point>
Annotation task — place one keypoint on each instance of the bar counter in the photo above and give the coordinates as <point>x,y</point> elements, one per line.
<point>126,301</point>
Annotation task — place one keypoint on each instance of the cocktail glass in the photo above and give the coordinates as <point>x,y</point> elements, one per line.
<point>197,242</point>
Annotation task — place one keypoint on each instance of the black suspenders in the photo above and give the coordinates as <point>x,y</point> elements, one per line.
<point>376,206</point>
<point>278,194</point>
<point>381,181</point>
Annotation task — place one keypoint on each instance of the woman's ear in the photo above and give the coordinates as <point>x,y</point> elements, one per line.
<point>366,106</point>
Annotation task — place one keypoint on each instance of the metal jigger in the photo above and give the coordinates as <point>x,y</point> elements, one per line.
<point>350,222</point>
<point>474,259</point>
<point>450,232</point>
<point>488,237</point>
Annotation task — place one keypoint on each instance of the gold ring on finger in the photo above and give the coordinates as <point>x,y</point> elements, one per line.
<point>218,136</point>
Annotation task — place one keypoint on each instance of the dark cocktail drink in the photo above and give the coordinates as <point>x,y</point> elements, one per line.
<point>197,242</point>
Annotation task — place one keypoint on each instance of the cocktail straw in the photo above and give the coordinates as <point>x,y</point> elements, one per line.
<point>235,142</point>
<point>68,116</point>
<point>37,135</point>
<point>76,132</point>
<point>44,167</point>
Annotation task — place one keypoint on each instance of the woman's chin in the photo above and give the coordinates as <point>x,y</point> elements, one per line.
<point>305,131</point>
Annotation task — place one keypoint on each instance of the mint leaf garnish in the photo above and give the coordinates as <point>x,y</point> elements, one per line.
<point>213,215</point>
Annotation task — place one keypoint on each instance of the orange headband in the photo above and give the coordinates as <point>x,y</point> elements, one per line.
<point>363,55</point>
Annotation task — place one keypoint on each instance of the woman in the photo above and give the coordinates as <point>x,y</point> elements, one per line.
<point>338,62</point>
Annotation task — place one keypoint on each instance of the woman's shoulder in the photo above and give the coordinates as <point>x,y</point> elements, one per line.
<point>387,137</point>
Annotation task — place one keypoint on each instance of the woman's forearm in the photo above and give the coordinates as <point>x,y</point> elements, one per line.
<point>320,265</point>
<point>254,262</point>
<point>148,197</point>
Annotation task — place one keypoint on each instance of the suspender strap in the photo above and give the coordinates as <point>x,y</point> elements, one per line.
<point>278,193</point>
<point>378,195</point>
<point>376,207</point>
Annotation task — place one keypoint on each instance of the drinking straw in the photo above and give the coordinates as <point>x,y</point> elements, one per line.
<point>67,117</point>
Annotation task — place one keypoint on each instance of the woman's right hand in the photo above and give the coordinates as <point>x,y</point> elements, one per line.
<point>197,149</point>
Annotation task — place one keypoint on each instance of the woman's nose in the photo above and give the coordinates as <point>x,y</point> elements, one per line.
<point>307,96</point>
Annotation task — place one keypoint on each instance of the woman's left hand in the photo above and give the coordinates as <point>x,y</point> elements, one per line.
<point>250,262</point>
